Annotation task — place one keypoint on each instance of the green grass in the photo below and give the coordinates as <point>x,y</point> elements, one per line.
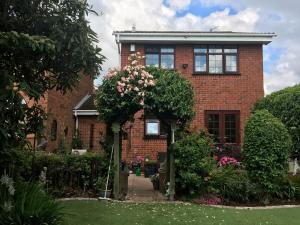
<point>112,213</point>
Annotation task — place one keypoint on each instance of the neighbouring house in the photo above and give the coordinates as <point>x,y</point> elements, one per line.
<point>224,68</point>
<point>61,122</point>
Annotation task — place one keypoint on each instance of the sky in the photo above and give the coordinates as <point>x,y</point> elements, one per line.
<point>281,67</point>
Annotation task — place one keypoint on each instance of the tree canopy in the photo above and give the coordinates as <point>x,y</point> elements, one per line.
<point>285,105</point>
<point>164,93</point>
<point>44,44</point>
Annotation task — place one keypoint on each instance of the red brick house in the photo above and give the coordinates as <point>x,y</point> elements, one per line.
<point>226,72</point>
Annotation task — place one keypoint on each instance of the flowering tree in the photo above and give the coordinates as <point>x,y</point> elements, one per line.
<point>165,93</point>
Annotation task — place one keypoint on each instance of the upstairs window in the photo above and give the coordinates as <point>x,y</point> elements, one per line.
<point>162,57</point>
<point>214,59</point>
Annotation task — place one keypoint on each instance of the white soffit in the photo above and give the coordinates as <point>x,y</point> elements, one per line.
<point>193,37</point>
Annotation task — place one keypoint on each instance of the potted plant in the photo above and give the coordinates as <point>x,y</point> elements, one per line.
<point>100,186</point>
<point>150,167</point>
<point>136,165</point>
<point>77,145</point>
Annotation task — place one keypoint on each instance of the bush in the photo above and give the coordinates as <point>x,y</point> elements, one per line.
<point>16,162</point>
<point>29,204</point>
<point>71,174</point>
<point>266,149</point>
<point>285,105</point>
<point>233,185</point>
<point>193,163</point>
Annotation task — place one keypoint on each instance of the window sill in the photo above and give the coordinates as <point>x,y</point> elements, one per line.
<point>216,74</point>
<point>155,137</point>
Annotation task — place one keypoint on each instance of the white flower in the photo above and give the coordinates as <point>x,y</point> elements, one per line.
<point>9,183</point>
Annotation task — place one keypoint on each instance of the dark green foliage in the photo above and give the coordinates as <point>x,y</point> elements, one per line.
<point>233,185</point>
<point>285,105</point>
<point>267,145</point>
<point>31,206</point>
<point>172,98</point>
<point>193,162</point>
<point>71,174</point>
<point>16,163</point>
<point>76,140</point>
<point>44,45</point>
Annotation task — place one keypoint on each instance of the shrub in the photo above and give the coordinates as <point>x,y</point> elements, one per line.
<point>266,149</point>
<point>71,174</point>
<point>285,105</point>
<point>30,205</point>
<point>233,185</point>
<point>193,162</point>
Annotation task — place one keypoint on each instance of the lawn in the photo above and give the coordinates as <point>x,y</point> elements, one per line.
<point>113,213</point>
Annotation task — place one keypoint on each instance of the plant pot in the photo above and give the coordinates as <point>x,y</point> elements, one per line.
<point>138,171</point>
<point>102,193</point>
<point>150,168</point>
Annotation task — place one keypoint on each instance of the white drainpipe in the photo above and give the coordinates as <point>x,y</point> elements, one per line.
<point>76,120</point>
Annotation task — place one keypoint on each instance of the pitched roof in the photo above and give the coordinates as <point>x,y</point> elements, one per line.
<point>86,106</point>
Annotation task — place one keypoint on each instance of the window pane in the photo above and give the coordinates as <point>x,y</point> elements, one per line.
<point>230,49</point>
<point>152,128</point>
<point>167,50</point>
<point>215,64</point>
<point>215,49</point>
<point>230,128</point>
<point>231,64</point>
<point>213,126</point>
<point>152,60</point>
<point>200,50</point>
<point>167,61</point>
<point>200,63</point>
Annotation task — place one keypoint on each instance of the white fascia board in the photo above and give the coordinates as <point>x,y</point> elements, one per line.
<point>85,112</point>
<point>82,101</point>
<point>242,38</point>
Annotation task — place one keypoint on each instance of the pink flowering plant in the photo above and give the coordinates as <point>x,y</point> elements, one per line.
<point>225,160</point>
<point>123,91</point>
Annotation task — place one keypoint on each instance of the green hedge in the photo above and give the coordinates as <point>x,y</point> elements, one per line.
<point>285,105</point>
<point>71,174</point>
<point>267,145</point>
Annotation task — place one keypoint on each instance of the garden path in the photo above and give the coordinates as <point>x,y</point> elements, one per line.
<point>140,189</point>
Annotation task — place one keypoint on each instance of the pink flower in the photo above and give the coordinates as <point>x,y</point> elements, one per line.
<point>225,160</point>
<point>140,81</point>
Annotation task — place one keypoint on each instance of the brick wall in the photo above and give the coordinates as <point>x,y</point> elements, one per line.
<point>88,125</point>
<point>212,92</point>
<point>60,108</point>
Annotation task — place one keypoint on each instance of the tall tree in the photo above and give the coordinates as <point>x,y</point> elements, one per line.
<point>44,45</point>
